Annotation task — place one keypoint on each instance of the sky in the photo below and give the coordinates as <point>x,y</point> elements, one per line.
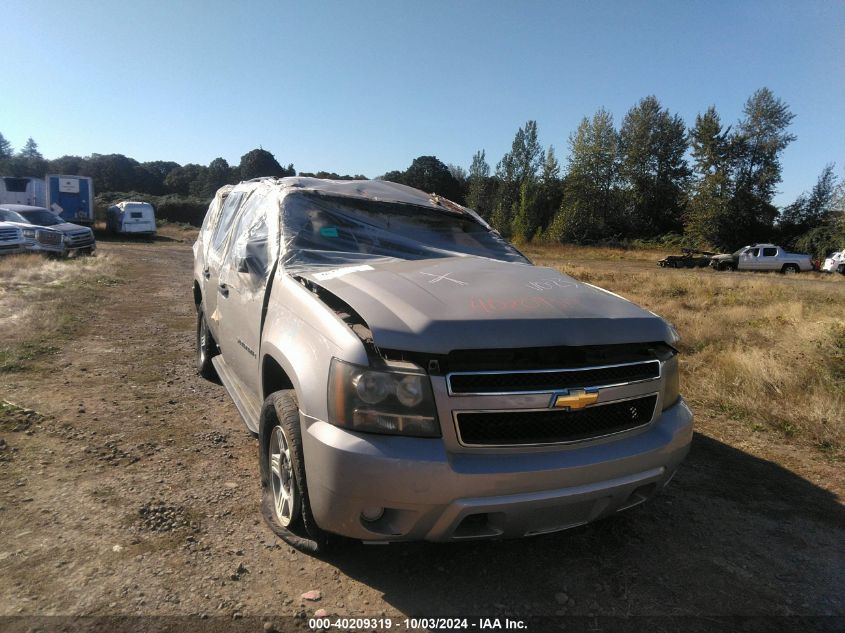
<point>364,87</point>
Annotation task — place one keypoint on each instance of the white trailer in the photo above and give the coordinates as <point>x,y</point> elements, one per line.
<point>23,190</point>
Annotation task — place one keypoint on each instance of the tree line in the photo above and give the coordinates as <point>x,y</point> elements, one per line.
<point>651,179</point>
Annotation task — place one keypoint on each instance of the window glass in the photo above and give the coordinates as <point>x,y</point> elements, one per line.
<point>769,252</point>
<point>321,230</point>
<point>252,249</point>
<point>16,185</point>
<point>227,214</point>
<point>754,252</point>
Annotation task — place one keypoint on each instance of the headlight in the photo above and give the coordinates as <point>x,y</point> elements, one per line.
<point>28,232</point>
<point>376,401</point>
<point>671,382</point>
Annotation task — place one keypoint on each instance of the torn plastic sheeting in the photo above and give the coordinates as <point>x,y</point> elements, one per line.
<point>252,245</point>
<point>334,232</point>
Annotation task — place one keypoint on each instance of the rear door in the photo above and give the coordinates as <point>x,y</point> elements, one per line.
<point>214,258</point>
<point>70,197</point>
<point>768,259</point>
<point>244,274</point>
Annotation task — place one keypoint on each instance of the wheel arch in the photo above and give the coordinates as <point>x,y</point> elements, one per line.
<point>274,377</point>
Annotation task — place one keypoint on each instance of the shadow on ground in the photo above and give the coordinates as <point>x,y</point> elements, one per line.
<point>732,535</point>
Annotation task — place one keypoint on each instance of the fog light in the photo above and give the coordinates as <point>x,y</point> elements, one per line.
<point>372,514</point>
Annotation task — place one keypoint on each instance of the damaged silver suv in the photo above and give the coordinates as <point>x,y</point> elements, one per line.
<point>410,375</point>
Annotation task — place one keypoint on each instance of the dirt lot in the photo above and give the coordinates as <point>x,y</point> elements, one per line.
<point>128,486</point>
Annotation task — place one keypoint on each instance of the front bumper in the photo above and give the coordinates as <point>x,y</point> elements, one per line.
<point>12,248</point>
<point>431,493</point>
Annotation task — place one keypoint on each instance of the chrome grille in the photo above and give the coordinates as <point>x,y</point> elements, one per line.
<point>553,426</point>
<point>50,238</point>
<point>10,235</point>
<point>80,238</point>
<point>544,380</point>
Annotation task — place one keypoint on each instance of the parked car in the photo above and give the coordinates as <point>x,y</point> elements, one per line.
<point>132,218</point>
<point>412,376</point>
<point>690,258</point>
<point>763,257</point>
<point>11,239</point>
<point>49,233</point>
<point>835,263</point>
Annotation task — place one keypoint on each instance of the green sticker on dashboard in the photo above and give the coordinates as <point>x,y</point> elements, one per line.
<point>329,231</point>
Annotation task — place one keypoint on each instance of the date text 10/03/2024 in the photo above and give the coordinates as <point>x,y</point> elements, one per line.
<point>480,624</point>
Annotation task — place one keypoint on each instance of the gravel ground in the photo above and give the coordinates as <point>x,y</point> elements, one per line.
<point>129,487</point>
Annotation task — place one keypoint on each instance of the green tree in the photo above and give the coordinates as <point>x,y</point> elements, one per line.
<point>187,180</point>
<point>551,191</point>
<point>525,221</point>
<point>653,168</point>
<point>460,176</point>
<point>428,174</point>
<point>5,148</point>
<point>761,136</point>
<point>150,176</point>
<point>479,185</point>
<point>28,161</point>
<point>394,176</point>
<point>590,207</point>
<point>71,165</point>
<point>218,173</point>
<point>259,162</point>
<point>811,209</point>
<point>707,219</point>
<point>111,172</point>
<point>521,163</point>
<point>829,236</point>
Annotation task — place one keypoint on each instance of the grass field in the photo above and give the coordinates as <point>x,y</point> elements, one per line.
<point>762,350</point>
<point>43,304</point>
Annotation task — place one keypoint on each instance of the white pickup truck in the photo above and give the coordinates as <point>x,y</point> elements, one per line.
<point>835,263</point>
<point>763,257</point>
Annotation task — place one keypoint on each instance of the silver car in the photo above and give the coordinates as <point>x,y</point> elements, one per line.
<point>412,376</point>
<point>48,233</point>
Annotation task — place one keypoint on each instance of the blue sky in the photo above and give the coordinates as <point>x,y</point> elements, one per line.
<point>364,87</point>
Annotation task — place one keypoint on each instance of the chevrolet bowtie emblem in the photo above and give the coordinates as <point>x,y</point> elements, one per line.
<point>575,399</point>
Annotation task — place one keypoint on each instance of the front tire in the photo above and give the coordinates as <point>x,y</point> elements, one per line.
<point>285,504</point>
<point>206,348</point>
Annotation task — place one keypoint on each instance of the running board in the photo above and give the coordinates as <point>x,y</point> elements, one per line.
<point>240,395</point>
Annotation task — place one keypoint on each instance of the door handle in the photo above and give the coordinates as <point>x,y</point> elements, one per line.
<point>206,273</point>
<point>223,289</point>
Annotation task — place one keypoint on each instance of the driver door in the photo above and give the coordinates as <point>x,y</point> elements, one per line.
<point>748,259</point>
<point>247,264</point>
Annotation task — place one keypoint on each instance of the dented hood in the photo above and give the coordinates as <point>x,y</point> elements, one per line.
<point>440,305</point>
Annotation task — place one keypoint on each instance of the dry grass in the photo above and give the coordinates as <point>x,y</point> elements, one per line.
<point>756,349</point>
<point>603,253</point>
<point>43,302</point>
